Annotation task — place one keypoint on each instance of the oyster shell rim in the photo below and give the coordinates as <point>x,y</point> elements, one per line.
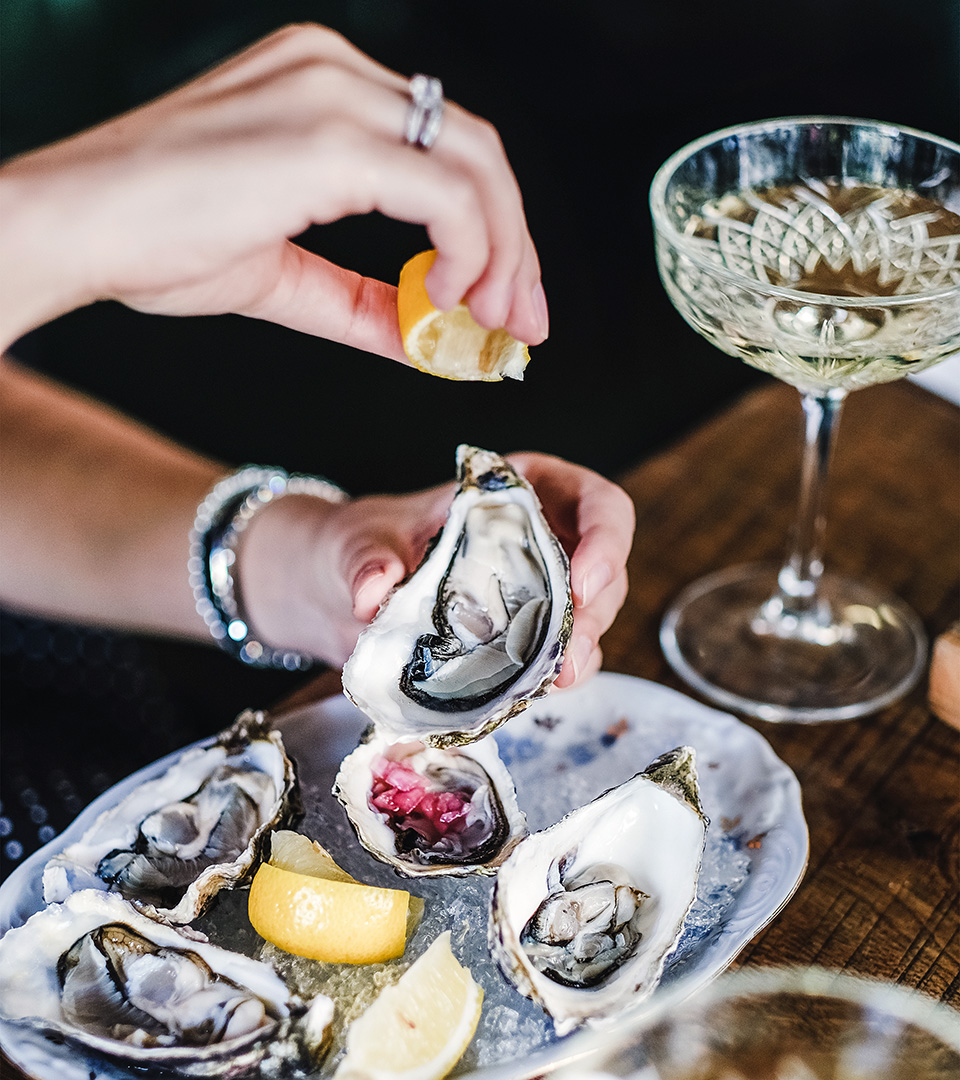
<point>674,772</point>
<point>481,471</point>
<point>95,907</point>
<point>487,755</point>
<point>249,726</point>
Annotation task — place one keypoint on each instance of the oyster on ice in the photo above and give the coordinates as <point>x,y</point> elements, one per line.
<point>479,629</point>
<point>177,839</point>
<point>585,913</point>
<point>96,972</point>
<point>428,811</point>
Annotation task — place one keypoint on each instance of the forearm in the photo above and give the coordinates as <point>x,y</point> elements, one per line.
<point>95,511</point>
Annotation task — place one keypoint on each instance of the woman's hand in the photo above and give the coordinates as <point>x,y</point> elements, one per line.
<point>186,205</point>
<point>594,520</point>
<point>339,561</point>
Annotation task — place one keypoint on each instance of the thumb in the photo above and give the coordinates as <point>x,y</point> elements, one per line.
<point>373,581</point>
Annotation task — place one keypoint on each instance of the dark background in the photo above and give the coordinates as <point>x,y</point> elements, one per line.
<point>589,99</point>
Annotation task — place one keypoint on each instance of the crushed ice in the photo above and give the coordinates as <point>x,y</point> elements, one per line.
<point>555,769</point>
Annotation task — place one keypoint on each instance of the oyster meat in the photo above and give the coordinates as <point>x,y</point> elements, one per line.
<point>479,629</point>
<point>585,913</point>
<point>96,972</point>
<point>175,840</point>
<point>429,811</point>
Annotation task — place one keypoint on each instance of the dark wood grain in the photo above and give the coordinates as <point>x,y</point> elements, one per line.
<point>881,795</point>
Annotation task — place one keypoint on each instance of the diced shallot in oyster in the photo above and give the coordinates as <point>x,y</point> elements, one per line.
<point>429,815</point>
<point>431,811</point>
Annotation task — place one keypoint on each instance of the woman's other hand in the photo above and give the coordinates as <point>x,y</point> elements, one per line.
<point>339,561</point>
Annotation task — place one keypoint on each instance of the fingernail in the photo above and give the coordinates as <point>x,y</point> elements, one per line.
<point>539,300</point>
<point>439,291</point>
<point>596,579</point>
<point>580,654</point>
<point>362,582</point>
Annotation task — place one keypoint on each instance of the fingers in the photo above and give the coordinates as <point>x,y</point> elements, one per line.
<point>292,45</point>
<point>373,582</point>
<point>382,539</point>
<point>594,520</point>
<point>574,672</point>
<point>463,189</point>
<point>317,297</point>
<point>185,205</point>
<point>590,623</point>
<point>502,294</point>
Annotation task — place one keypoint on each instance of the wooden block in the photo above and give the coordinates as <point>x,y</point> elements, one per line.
<point>944,693</point>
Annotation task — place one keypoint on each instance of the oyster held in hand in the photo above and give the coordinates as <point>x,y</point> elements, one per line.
<point>479,629</point>
<point>585,913</point>
<point>175,840</point>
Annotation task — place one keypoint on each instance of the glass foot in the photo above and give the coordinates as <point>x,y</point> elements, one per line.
<point>731,639</point>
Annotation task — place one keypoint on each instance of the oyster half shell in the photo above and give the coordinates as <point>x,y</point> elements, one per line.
<point>177,839</point>
<point>428,811</point>
<point>585,913</point>
<point>479,629</point>
<point>97,973</point>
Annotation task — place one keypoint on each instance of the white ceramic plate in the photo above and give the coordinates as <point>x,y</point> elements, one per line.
<point>563,751</point>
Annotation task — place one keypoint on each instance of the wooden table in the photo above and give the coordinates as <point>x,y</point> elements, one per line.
<point>881,794</point>
<point>881,895</point>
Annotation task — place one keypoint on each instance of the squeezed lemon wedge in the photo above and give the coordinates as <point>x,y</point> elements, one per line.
<point>450,343</point>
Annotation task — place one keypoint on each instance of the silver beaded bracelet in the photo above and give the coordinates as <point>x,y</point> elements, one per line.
<point>221,518</point>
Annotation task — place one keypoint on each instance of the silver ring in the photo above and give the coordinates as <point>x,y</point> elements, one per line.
<point>425,112</point>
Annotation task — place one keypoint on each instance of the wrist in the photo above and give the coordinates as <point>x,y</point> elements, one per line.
<point>39,278</point>
<point>245,563</point>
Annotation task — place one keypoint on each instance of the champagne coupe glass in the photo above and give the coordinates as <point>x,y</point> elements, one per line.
<point>825,251</point>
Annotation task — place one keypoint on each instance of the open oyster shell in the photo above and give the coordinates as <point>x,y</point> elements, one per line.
<point>479,629</point>
<point>428,811</point>
<point>584,914</point>
<point>97,973</point>
<point>176,840</point>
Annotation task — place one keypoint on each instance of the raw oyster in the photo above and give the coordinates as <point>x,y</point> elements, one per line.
<point>96,972</point>
<point>585,913</point>
<point>429,811</point>
<point>178,839</point>
<point>479,629</point>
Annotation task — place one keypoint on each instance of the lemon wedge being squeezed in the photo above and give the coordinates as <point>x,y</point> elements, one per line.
<point>450,343</point>
<point>302,902</point>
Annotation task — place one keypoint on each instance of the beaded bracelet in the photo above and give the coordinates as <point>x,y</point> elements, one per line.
<point>221,518</point>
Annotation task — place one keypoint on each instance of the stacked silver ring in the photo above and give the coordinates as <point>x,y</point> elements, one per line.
<point>425,112</point>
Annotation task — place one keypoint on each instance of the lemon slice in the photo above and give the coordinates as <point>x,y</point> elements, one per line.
<point>298,853</point>
<point>449,343</point>
<point>418,1028</point>
<point>305,904</point>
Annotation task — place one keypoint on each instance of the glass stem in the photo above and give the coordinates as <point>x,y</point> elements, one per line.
<point>799,577</point>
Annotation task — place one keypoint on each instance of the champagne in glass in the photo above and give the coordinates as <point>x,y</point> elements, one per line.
<point>825,251</point>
